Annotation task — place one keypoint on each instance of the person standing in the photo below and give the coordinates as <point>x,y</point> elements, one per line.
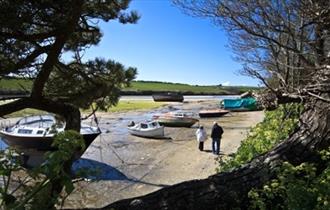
<point>201,137</point>
<point>216,135</point>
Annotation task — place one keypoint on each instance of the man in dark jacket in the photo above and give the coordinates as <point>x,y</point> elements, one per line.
<point>216,135</point>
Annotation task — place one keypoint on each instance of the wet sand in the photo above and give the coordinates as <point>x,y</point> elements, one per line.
<point>126,166</point>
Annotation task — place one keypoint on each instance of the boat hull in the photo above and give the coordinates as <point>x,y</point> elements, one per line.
<point>157,132</point>
<point>212,113</point>
<point>176,122</point>
<point>168,97</point>
<point>42,143</point>
<point>157,135</point>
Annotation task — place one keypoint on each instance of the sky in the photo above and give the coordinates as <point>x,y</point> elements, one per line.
<point>170,46</point>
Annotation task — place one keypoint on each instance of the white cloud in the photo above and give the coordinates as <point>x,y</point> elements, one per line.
<point>227,83</point>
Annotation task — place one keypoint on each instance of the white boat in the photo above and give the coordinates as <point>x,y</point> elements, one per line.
<point>37,132</point>
<point>150,129</point>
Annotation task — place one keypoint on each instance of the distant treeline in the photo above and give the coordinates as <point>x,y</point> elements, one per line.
<point>23,86</point>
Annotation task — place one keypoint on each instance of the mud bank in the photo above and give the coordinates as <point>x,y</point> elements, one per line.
<point>125,166</point>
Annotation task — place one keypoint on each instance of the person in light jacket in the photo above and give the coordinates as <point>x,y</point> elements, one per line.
<point>201,137</point>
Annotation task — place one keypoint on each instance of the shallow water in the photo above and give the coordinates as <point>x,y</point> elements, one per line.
<point>3,145</point>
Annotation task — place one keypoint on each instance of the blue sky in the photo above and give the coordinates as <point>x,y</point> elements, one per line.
<point>167,45</point>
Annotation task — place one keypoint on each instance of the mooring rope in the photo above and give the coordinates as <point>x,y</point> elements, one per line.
<point>112,149</point>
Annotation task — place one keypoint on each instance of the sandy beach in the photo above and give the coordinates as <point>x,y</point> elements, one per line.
<point>125,166</point>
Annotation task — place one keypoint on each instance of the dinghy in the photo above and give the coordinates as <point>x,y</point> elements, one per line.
<point>150,129</point>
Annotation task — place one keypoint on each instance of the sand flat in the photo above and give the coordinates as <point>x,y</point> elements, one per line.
<point>131,166</point>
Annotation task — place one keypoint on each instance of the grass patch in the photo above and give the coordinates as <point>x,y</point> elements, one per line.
<point>121,107</point>
<point>26,112</point>
<point>124,105</point>
<point>135,105</point>
<point>15,84</point>
<point>23,112</point>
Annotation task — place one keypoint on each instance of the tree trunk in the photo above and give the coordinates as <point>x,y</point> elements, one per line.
<point>230,190</point>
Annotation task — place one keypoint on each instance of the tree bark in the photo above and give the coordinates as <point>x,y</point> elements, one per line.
<point>230,190</point>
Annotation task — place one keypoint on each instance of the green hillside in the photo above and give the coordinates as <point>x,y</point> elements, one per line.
<point>143,87</point>
<point>146,86</point>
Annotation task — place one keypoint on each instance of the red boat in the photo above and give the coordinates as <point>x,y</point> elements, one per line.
<point>212,113</point>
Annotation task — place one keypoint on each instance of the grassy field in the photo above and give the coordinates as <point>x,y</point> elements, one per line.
<point>139,86</point>
<point>134,105</point>
<point>26,112</point>
<point>122,106</point>
<point>126,105</point>
<point>146,87</point>
<point>15,84</point>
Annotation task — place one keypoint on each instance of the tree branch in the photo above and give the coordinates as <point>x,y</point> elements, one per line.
<point>57,47</point>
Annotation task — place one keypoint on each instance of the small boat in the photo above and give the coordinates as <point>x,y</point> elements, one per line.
<point>150,129</point>
<point>171,97</point>
<point>212,113</point>
<point>37,132</point>
<point>176,119</point>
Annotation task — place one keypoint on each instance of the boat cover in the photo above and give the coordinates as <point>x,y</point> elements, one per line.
<point>240,103</point>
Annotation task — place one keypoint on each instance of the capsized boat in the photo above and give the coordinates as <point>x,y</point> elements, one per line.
<point>170,96</point>
<point>37,132</point>
<point>149,129</point>
<point>212,113</point>
<point>176,119</point>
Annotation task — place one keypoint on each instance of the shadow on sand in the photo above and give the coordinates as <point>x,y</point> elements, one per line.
<point>95,170</point>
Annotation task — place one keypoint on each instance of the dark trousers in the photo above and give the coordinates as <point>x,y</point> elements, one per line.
<point>216,145</point>
<point>201,146</point>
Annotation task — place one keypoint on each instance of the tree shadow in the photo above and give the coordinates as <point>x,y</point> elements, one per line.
<point>95,170</point>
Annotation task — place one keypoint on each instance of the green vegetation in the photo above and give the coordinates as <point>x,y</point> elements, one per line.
<point>134,105</point>
<point>146,87</point>
<point>296,187</point>
<point>26,112</point>
<point>15,84</point>
<point>120,107</point>
<point>140,86</point>
<point>277,125</point>
<point>36,190</point>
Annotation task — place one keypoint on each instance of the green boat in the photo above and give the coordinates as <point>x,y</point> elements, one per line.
<point>240,104</point>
